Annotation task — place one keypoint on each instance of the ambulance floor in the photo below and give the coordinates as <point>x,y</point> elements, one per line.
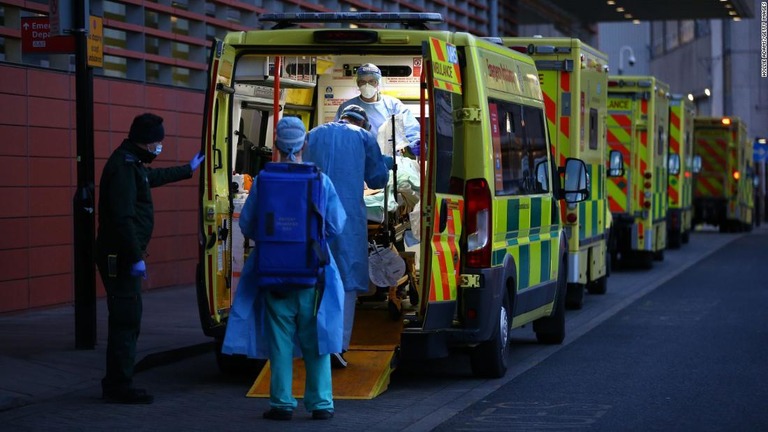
<point>375,336</point>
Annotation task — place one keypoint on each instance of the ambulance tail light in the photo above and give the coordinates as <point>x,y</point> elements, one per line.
<point>726,121</point>
<point>647,204</point>
<point>571,218</point>
<point>478,221</point>
<point>736,175</point>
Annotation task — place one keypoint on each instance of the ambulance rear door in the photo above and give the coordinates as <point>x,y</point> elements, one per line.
<point>442,208</point>
<point>213,276</point>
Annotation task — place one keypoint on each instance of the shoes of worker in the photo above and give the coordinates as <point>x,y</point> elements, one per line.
<point>338,361</point>
<point>322,414</point>
<point>127,395</point>
<point>278,414</point>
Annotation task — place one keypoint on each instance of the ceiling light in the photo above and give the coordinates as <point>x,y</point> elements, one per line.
<point>736,19</point>
<point>619,9</point>
<point>610,2</point>
<point>732,13</point>
<point>628,15</point>
<point>690,97</point>
<point>707,92</point>
<point>728,6</point>
<point>636,21</point>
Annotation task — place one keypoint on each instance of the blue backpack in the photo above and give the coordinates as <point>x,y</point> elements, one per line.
<point>290,243</point>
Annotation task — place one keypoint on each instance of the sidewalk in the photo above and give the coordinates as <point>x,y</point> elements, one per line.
<point>38,359</point>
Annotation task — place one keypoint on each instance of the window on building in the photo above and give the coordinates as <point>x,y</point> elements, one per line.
<point>151,45</point>
<point>152,72</point>
<point>233,15</point>
<point>210,9</point>
<point>180,4</point>
<point>180,26</point>
<point>2,49</point>
<point>180,50</point>
<point>181,76</point>
<point>114,11</point>
<point>114,38</point>
<point>115,66</point>
<point>702,28</point>
<point>151,19</point>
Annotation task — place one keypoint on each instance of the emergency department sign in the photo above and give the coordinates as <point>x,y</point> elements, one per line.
<point>445,66</point>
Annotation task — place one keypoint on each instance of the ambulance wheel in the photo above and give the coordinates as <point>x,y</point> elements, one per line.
<point>489,359</point>
<point>675,239</point>
<point>658,255</point>
<point>599,286</point>
<point>574,298</point>
<point>551,330</point>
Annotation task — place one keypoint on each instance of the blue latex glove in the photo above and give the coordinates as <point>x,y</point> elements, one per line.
<point>415,148</point>
<point>389,161</point>
<point>139,268</point>
<point>197,160</point>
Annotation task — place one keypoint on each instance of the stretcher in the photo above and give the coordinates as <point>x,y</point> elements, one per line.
<point>387,228</point>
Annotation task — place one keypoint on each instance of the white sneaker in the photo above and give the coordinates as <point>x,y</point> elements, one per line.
<point>338,361</point>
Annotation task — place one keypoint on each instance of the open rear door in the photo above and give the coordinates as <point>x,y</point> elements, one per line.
<point>442,202</point>
<point>214,282</point>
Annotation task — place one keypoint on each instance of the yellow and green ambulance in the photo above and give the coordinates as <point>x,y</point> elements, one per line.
<point>724,181</point>
<point>492,249</point>
<point>574,83</point>
<point>638,127</point>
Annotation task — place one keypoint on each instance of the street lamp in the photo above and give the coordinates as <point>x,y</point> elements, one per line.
<point>630,59</point>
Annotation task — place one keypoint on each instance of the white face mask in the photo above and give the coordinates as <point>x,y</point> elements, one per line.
<point>157,150</point>
<point>367,91</point>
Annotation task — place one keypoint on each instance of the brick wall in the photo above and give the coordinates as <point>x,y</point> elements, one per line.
<point>38,177</point>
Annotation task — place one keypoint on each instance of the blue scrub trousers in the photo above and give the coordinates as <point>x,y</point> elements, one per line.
<point>293,313</point>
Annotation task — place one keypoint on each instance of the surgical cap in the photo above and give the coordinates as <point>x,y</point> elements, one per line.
<point>290,136</point>
<point>369,69</point>
<point>356,112</point>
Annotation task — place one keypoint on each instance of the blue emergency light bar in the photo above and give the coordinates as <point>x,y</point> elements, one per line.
<point>416,19</point>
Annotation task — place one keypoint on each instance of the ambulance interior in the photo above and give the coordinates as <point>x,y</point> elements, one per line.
<point>313,88</point>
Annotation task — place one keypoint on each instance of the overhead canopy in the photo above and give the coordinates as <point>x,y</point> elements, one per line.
<point>591,11</point>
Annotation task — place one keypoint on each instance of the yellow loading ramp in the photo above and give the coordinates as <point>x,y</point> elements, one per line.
<point>375,336</point>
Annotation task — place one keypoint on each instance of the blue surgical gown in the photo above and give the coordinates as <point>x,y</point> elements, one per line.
<point>380,111</point>
<point>248,325</point>
<point>349,155</point>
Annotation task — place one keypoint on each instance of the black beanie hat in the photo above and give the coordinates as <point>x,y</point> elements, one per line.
<point>147,128</point>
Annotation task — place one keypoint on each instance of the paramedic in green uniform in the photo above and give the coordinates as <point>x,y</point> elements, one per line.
<point>265,324</point>
<point>126,219</point>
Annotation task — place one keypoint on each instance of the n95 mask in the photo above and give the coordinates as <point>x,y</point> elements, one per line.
<point>367,91</point>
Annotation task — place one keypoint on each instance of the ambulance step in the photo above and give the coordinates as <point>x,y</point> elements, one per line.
<point>372,357</point>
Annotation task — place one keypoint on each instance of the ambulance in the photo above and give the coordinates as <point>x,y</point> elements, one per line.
<point>574,83</point>
<point>725,178</point>
<point>491,249</point>
<point>638,127</point>
<point>680,187</point>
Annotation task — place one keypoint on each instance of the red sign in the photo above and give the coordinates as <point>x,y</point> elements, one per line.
<point>36,38</point>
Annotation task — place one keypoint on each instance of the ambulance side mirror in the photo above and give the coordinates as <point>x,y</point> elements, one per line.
<point>697,164</point>
<point>576,180</point>
<point>673,164</point>
<point>615,164</point>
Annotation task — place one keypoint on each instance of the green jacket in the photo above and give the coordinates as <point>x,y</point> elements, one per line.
<point>126,213</point>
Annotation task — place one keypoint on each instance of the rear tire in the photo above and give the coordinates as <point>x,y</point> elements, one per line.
<point>489,359</point>
<point>600,286</point>
<point>574,298</point>
<point>236,365</point>
<point>551,330</point>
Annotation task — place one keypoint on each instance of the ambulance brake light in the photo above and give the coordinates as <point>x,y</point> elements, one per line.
<point>478,222</point>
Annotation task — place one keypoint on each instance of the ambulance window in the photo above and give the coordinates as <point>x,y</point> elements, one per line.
<point>536,140</point>
<point>509,121</point>
<point>444,138</point>
<point>593,129</point>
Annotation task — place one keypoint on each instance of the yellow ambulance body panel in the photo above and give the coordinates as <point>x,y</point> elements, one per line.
<point>491,254</point>
<point>638,127</point>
